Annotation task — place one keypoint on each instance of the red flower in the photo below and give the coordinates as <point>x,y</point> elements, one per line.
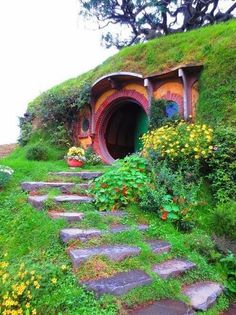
<point>164,215</point>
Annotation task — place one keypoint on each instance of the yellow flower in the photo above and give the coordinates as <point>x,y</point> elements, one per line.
<point>27,305</point>
<point>54,280</point>
<point>63,267</point>
<point>36,284</point>
<point>34,312</point>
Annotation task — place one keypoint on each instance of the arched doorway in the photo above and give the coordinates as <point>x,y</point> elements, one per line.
<point>121,128</point>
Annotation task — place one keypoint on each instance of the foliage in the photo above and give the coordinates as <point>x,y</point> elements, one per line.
<point>60,136</point>
<point>183,140</point>
<point>229,264</point>
<point>76,153</point>
<point>222,172</point>
<point>62,107</point>
<point>37,152</point>
<point>17,293</point>
<point>172,194</point>
<point>91,157</point>
<point>121,185</point>
<point>25,124</point>
<point>146,20</point>
<point>158,115</point>
<point>224,220</point>
<point>5,175</point>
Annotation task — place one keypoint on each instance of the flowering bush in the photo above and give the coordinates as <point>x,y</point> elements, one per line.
<point>16,295</point>
<point>21,289</point>
<point>76,153</point>
<point>179,141</point>
<point>5,175</point>
<point>91,157</point>
<point>121,185</point>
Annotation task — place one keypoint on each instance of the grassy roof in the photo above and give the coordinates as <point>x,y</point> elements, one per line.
<point>214,46</point>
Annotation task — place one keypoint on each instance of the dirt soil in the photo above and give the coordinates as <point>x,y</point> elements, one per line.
<point>6,149</point>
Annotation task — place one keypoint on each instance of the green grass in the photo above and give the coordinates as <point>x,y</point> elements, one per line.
<point>213,46</point>
<point>29,236</point>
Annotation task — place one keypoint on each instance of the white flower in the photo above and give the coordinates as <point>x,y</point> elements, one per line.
<point>6,169</point>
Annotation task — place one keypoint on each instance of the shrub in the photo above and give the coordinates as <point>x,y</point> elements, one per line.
<point>91,157</point>
<point>229,266</point>
<point>175,142</point>
<point>171,194</point>
<point>224,220</point>
<point>123,184</point>
<point>37,152</point>
<point>222,165</point>
<point>26,128</point>
<point>5,175</point>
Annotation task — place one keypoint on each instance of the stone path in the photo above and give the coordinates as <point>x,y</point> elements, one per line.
<point>201,295</point>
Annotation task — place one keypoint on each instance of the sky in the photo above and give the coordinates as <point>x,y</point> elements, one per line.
<point>42,43</point>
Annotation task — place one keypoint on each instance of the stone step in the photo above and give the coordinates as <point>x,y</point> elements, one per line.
<point>69,216</point>
<point>203,294</point>
<point>38,201</point>
<point>83,175</point>
<point>114,252</point>
<point>63,186</point>
<point>84,235</point>
<point>172,268</point>
<point>78,216</point>
<point>164,307</point>
<point>119,284</point>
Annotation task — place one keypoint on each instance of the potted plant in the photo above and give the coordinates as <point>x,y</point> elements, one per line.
<point>75,157</point>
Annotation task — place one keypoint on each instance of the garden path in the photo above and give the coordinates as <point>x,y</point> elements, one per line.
<point>201,295</point>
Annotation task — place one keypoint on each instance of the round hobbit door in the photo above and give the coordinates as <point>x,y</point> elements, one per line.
<point>126,124</point>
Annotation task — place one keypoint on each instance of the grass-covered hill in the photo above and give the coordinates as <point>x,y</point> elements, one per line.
<point>214,46</point>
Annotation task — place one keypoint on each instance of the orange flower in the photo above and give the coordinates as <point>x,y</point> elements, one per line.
<point>164,215</point>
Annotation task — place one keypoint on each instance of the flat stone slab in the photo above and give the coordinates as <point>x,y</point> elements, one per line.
<point>203,294</point>
<point>172,268</point>
<point>83,235</point>
<point>119,284</point>
<point>63,186</point>
<point>83,175</point>
<point>114,252</point>
<point>118,213</point>
<point>159,246</point>
<point>69,216</point>
<point>123,228</point>
<point>38,201</point>
<point>164,307</point>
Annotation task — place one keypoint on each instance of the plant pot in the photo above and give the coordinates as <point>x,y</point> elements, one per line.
<point>74,163</point>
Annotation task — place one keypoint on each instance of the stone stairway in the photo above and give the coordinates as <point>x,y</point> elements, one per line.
<point>201,295</point>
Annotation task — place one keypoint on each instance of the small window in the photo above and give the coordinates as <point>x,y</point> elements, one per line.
<point>85,125</point>
<point>171,109</point>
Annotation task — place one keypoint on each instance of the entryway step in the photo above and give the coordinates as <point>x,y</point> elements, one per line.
<point>172,268</point>
<point>83,235</point>
<point>203,294</point>
<point>78,216</point>
<point>38,201</point>
<point>83,175</point>
<point>63,186</point>
<point>115,252</point>
<point>164,307</point>
<point>119,284</point>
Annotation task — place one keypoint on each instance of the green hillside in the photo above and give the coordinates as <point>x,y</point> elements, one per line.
<point>214,46</point>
